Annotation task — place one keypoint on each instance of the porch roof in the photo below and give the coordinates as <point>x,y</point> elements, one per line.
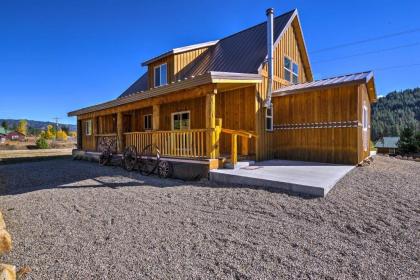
<point>207,78</point>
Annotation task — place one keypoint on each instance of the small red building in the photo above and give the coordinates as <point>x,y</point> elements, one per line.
<point>15,136</point>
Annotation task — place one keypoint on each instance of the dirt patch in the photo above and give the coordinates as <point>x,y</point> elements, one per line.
<point>76,220</point>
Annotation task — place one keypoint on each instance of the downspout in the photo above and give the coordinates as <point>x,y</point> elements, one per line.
<point>270,16</point>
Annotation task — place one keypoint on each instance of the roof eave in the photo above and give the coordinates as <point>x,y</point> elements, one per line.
<point>207,78</point>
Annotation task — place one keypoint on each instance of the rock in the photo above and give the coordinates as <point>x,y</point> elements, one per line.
<point>5,242</point>
<point>2,223</point>
<point>410,158</point>
<point>7,272</point>
<point>398,157</point>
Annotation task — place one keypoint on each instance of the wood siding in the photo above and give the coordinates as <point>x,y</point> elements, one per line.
<point>319,125</point>
<point>194,106</point>
<point>236,109</point>
<point>176,63</point>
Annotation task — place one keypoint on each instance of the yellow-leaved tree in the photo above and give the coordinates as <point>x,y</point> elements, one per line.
<point>48,133</point>
<point>22,127</point>
<point>61,135</point>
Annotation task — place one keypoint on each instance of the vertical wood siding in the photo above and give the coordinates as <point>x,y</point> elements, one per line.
<point>318,125</point>
<point>236,109</point>
<point>195,106</point>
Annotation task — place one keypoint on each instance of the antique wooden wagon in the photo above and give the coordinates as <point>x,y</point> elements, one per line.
<point>250,95</point>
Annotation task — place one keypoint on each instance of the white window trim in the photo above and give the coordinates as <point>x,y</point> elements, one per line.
<point>365,124</point>
<point>291,69</point>
<point>160,72</point>
<point>88,127</point>
<point>144,122</point>
<point>180,113</point>
<point>269,117</point>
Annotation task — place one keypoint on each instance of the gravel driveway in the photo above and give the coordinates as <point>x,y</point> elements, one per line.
<point>76,220</point>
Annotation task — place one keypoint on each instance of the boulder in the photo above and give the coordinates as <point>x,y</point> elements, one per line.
<point>2,223</point>
<point>7,272</point>
<point>5,242</point>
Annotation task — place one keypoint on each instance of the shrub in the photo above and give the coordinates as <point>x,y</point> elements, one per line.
<point>41,143</point>
<point>61,135</point>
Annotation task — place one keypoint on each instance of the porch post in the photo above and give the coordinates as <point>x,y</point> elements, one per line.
<point>120,134</point>
<point>95,132</point>
<point>155,116</point>
<point>211,124</point>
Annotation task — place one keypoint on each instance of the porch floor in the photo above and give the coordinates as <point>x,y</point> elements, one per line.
<point>309,178</point>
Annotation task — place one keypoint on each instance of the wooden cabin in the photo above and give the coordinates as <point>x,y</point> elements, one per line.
<point>249,95</point>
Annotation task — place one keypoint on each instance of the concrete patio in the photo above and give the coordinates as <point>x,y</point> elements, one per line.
<point>308,178</point>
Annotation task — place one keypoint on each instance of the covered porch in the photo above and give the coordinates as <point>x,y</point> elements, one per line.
<point>184,125</point>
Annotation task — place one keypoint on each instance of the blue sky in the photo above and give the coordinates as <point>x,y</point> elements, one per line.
<point>57,56</point>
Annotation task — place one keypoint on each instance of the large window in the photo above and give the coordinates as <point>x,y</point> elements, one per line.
<point>269,118</point>
<point>181,120</point>
<point>88,127</point>
<point>291,71</point>
<point>161,74</point>
<point>148,122</point>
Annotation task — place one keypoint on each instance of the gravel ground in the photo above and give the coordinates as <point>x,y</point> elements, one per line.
<point>76,220</point>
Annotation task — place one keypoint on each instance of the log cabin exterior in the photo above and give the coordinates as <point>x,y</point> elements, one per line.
<point>244,95</point>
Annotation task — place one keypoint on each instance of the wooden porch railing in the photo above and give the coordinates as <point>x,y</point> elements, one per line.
<point>185,143</point>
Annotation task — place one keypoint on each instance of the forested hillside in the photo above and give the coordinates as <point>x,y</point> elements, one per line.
<point>395,111</point>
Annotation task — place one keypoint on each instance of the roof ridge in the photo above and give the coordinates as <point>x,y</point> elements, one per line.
<point>264,22</point>
<point>340,76</point>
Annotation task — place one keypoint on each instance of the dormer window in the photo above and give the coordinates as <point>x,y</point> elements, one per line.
<point>291,71</point>
<point>161,75</point>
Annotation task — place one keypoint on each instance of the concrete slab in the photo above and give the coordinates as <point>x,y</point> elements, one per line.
<point>310,178</point>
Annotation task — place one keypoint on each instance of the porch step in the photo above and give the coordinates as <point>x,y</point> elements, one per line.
<point>239,164</point>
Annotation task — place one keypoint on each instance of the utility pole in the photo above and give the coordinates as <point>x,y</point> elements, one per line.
<point>56,123</point>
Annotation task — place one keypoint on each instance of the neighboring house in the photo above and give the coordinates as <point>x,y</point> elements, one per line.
<point>3,134</point>
<point>15,136</point>
<point>251,93</point>
<point>387,145</point>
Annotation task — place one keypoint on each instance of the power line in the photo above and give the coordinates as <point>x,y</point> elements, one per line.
<point>397,66</point>
<point>367,40</point>
<point>367,53</point>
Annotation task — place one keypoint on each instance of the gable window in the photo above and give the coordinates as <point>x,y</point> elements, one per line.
<point>181,120</point>
<point>161,74</point>
<point>148,122</point>
<point>88,127</point>
<point>269,118</point>
<point>365,118</point>
<point>291,71</point>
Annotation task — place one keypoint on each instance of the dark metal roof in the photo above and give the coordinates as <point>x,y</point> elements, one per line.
<point>363,77</point>
<point>242,52</point>
<point>138,86</point>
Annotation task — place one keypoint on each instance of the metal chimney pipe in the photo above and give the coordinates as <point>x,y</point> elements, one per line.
<point>270,16</point>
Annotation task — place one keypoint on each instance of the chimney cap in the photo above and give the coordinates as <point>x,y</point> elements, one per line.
<point>269,11</point>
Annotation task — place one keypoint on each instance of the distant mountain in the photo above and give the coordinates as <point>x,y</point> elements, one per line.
<point>395,111</point>
<point>38,125</point>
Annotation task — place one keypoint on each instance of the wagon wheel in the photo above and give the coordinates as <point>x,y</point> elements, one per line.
<point>149,159</point>
<point>105,157</point>
<point>165,169</point>
<point>129,159</point>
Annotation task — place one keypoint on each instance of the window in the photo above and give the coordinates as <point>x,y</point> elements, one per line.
<point>269,118</point>
<point>161,75</point>
<point>365,118</point>
<point>181,120</point>
<point>148,122</point>
<point>88,127</point>
<point>291,71</point>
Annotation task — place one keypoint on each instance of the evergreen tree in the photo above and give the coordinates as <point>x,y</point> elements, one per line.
<point>407,143</point>
<point>4,125</point>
